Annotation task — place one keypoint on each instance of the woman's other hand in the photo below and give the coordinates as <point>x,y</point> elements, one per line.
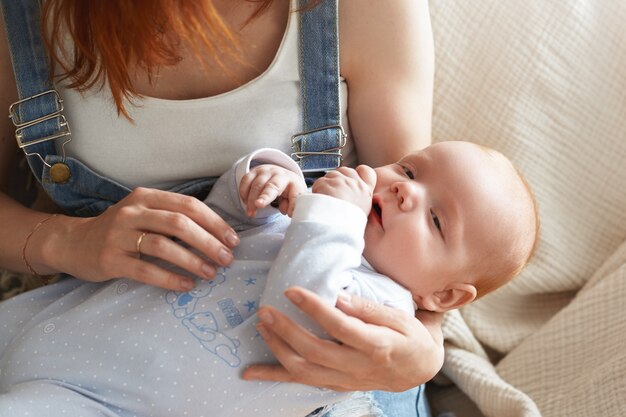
<point>375,347</point>
<point>112,244</point>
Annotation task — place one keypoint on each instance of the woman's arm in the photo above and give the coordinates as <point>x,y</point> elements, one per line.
<point>387,58</point>
<point>105,247</point>
<point>13,217</point>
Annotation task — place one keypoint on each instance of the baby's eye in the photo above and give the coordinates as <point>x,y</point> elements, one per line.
<point>408,172</point>
<point>435,220</point>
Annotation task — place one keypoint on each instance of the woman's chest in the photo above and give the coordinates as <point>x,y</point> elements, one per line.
<point>256,42</point>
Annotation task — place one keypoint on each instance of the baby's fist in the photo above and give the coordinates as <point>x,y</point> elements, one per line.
<point>353,185</point>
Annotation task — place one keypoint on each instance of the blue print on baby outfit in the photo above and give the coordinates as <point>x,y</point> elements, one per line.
<point>184,303</point>
<point>202,325</point>
<point>233,316</point>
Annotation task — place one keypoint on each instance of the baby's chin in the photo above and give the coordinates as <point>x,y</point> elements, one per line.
<point>372,258</point>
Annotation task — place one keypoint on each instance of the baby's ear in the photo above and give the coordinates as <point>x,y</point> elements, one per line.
<point>453,296</point>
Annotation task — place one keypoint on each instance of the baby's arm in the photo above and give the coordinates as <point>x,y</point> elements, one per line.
<point>225,197</point>
<point>324,242</point>
<point>265,183</point>
<point>321,249</point>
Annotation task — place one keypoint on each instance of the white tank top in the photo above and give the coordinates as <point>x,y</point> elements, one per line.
<point>171,141</point>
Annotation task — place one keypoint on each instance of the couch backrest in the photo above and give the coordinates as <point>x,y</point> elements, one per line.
<point>545,83</point>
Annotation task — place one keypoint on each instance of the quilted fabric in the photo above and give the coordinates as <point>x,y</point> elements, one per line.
<point>545,83</point>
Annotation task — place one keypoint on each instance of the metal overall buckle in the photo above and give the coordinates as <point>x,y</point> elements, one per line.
<point>335,151</point>
<point>59,172</point>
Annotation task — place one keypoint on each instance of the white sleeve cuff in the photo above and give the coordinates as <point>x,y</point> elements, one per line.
<point>329,210</point>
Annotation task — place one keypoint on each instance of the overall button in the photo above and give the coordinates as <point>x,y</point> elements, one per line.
<point>60,173</point>
<point>49,328</point>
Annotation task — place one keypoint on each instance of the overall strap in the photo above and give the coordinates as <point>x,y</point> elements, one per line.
<point>38,115</point>
<point>318,147</point>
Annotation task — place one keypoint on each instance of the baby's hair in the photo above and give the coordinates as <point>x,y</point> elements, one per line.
<point>537,230</point>
<point>495,276</point>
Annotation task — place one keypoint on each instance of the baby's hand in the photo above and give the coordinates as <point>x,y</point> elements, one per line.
<point>353,185</point>
<point>264,183</point>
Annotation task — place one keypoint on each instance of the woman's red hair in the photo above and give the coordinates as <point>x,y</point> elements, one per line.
<point>111,39</point>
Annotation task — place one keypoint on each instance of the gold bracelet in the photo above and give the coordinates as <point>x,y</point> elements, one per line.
<point>37,226</point>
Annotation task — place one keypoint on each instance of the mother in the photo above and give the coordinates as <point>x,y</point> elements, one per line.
<point>159,94</point>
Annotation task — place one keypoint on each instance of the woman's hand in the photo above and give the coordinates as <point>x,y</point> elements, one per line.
<point>144,223</point>
<point>376,347</point>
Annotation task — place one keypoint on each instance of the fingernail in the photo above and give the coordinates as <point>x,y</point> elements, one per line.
<point>263,331</point>
<point>250,375</point>
<point>344,297</point>
<point>187,284</point>
<point>293,296</point>
<point>208,271</point>
<point>224,256</point>
<point>266,317</point>
<point>231,238</point>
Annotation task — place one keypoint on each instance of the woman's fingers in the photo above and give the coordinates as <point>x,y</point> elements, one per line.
<point>158,246</point>
<point>107,246</point>
<point>298,366</point>
<point>294,338</point>
<point>191,208</point>
<point>187,219</point>
<point>370,351</point>
<point>152,274</point>
<point>289,338</point>
<point>317,362</point>
<point>379,354</point>
<point>362,345</point>
<point>167,223</point>
<point>374,313</point>
<point>349,330</point>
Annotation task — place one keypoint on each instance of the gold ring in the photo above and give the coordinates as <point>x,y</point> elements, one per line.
<point>138,244</point>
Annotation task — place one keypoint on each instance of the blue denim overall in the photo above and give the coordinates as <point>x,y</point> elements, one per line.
<point>79,191</point>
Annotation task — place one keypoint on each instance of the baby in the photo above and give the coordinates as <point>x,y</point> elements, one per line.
<point>436,230</point>
<point>450,223</point>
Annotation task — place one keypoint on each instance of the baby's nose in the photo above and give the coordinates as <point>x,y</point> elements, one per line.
<point>407,194</point>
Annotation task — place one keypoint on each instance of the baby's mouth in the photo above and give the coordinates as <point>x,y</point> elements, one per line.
<point>377,212</point>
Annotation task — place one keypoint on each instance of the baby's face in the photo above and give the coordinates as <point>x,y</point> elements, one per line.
<point>437,213</point>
